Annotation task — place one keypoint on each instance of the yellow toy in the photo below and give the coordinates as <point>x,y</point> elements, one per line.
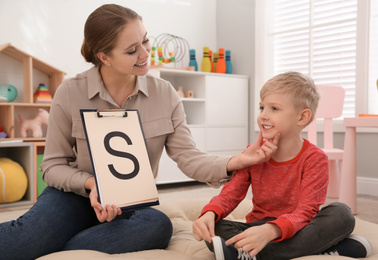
<point>13,181</point>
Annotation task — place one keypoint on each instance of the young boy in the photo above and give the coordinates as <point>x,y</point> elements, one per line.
<point>289,183</point>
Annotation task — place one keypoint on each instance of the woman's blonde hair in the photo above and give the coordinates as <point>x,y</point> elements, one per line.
<point>102,28</point>
<point>299,87</point>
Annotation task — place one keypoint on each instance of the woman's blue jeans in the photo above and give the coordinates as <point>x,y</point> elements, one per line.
<point>66,221</point>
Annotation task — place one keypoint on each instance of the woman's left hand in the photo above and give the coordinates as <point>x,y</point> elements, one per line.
<point>108,213</point>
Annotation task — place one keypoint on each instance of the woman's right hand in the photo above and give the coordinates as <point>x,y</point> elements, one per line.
<point>103,214</point>
<point>203,228</point>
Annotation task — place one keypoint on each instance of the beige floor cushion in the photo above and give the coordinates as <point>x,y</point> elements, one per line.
<point>183,244</point>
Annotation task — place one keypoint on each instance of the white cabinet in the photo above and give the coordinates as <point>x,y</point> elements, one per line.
<point>217,115</point>
<point>226,101</point>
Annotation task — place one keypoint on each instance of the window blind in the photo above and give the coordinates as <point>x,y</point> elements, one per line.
<point>318,38</point>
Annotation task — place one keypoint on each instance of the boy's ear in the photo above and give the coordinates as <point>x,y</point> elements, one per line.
<point>304,117</point>
<point>104,58</point>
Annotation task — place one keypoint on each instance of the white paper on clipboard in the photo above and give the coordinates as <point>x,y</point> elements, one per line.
<point>119,158</point>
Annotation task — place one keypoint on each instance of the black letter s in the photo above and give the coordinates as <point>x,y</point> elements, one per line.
<point>110,150</point>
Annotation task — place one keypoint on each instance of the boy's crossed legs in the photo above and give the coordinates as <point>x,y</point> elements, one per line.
<point>331,225</point>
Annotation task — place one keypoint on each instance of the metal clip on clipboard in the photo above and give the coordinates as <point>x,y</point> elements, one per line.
<point>111,113</point>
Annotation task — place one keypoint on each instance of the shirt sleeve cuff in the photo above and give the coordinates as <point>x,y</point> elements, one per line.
<point>78,181</point>
<point>286,228</point>
<point>218,211</point>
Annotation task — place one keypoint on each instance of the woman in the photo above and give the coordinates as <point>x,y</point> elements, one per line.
<point>63,218</point>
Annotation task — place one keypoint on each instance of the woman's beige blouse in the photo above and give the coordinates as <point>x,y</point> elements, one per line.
<point>67,165</point>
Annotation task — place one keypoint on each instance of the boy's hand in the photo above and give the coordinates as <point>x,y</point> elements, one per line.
<point>203,228</point>
<point>254,239</point>
<point>258,152</point>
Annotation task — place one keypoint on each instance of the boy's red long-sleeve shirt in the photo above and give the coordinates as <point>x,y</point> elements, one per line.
<point>291,191</point>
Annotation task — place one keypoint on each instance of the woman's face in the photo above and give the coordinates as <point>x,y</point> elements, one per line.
<point>130,55</point>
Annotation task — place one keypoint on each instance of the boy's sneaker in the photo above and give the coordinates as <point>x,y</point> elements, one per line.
<point>223,252</point>
<point>353,246</point>
<point>244,256</point>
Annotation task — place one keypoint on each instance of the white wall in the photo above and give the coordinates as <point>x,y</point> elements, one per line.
<point>235,31</point>
<point>52,30</point>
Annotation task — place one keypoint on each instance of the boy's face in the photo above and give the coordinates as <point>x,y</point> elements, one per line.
<point>278,115</point>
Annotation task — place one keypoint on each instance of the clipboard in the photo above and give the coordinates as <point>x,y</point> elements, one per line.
<point>119,157</point>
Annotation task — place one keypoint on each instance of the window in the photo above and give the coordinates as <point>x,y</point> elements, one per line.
<point>326,39</point>
<point>318,38</point>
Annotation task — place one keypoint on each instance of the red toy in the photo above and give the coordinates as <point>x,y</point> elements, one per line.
<point>2,133</point>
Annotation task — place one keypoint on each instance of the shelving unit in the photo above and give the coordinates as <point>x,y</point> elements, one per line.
<point>217,115</point>
<point>25,72</point>
<point>22,153</point>
<point>10,122</point>
<point>30,69</point>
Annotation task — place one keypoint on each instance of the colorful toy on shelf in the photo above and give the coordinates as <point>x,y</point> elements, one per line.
<point>170,48</point>
<point>42,95</point>
<point>153,52</point>
<point>206,64</point>
<point>228,62</point>
<point>8,93</point>
<point>2,133</point>
<point>13,181</point>
<point>215,61</point>
<point>193,61</point>
<point>189,94</point>
<point>211,60</point>
<point>180,92</point>
<point>34,125</point>
<point>221,64</point>
<point>160,54</point>
<point>171,58</point>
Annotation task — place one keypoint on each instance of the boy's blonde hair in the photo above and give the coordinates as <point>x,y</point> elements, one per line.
<point>299,87</point>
